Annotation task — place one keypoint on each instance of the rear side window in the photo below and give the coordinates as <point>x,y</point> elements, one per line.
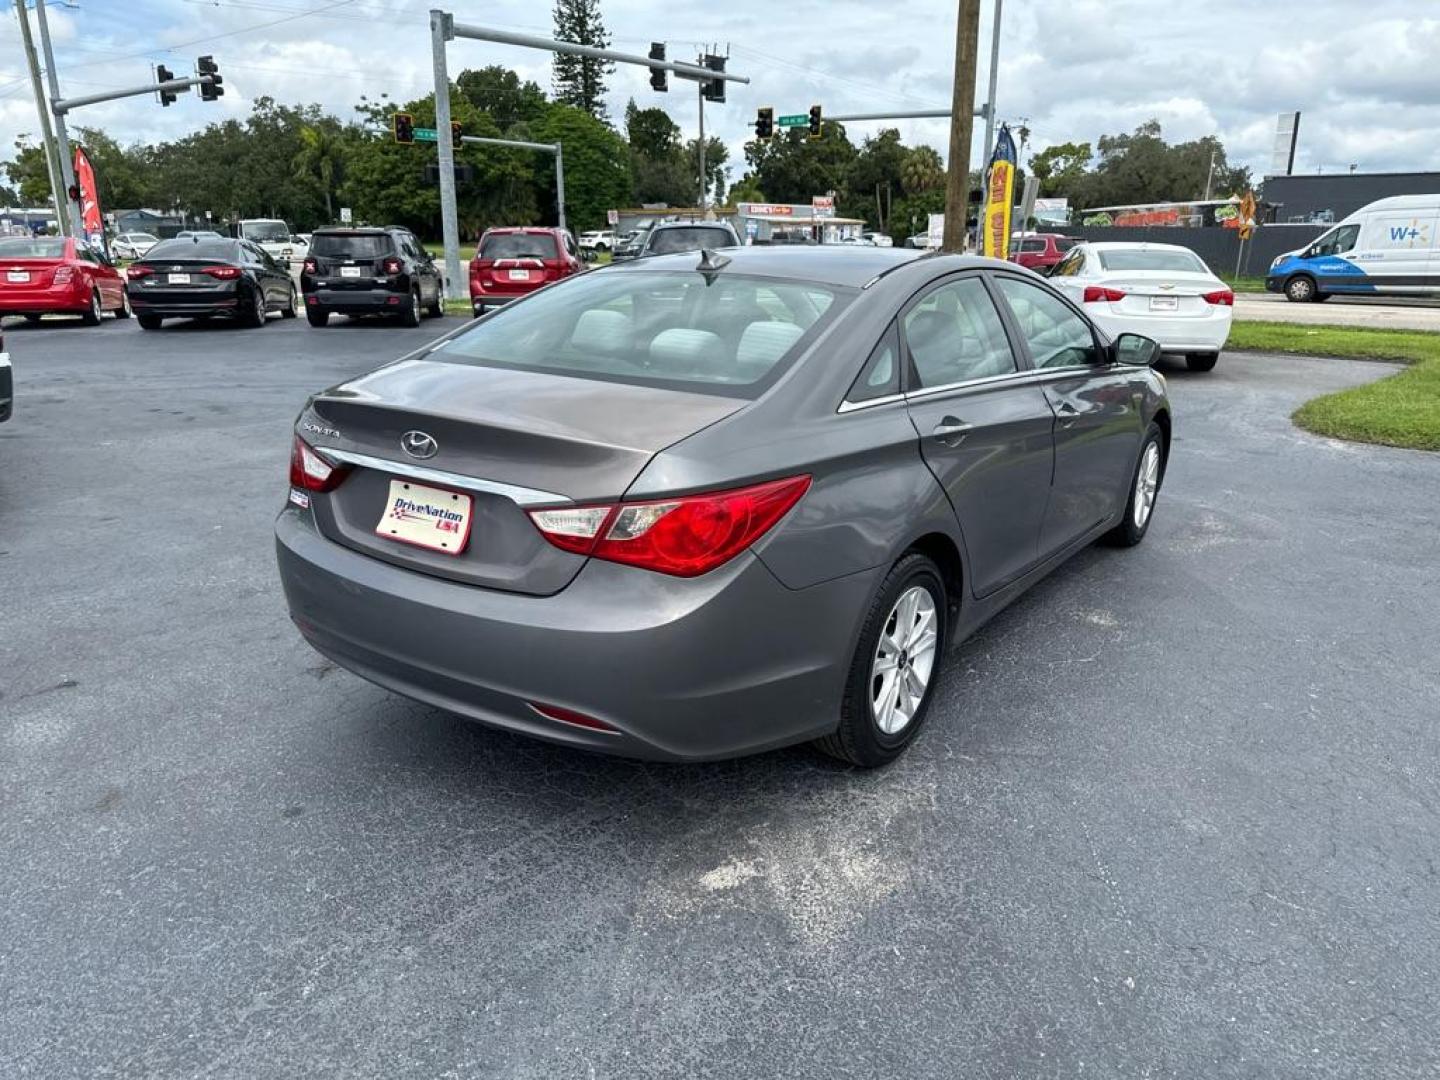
<point>954,334</point>
<point>351,245</point>
<point>668,241</point>
<point>1173,261</point>
<point>880,376</point>
<point>38,248</point>
<point>518,246</point>
<point>653,329</point>
<point>1032,245</point>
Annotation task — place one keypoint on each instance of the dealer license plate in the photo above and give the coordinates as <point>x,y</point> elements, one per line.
<point>1164,303</point>
<point>20,277</point>
<point>519,275</point>
<point>350,271</point>
<point>178,279</point>
<point>427,517</point>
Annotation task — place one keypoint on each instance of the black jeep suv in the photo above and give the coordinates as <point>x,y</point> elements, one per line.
<point>370,271</point>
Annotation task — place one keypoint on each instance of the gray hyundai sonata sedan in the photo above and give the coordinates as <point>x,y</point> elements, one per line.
<point>706,504</point>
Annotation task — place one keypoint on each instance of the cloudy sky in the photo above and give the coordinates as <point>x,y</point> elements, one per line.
<point>1363,73</point>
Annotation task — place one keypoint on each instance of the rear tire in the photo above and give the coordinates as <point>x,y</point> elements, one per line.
<point>292,309</point>
<point>1201,361</point>
<point>436,310</point>
<point>410,316</point>
<point>316,317</point>
<point>864,737</point>
<point>123,311</point>
<point>1300,289</point>
<point>253,309</point>
<point>94,311</point>
<point>1150,468</point>
<point>149,322</point>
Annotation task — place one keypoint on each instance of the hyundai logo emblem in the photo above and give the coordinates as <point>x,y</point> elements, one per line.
<point>419,445</point>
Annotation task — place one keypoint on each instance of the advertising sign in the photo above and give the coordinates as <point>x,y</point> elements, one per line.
<point>999,197</point>
<point>758,209</point>
<point>823,206</point>
<point>612,218</point>
<point>92,219</point>
<point>935,231</point>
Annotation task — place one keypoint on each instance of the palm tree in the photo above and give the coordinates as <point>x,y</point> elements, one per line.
<point>920,170</point>
<point>321,157</point>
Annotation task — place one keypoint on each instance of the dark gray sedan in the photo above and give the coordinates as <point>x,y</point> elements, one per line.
<point>702,505</point>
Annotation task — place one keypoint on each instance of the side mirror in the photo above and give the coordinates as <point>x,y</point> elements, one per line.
<point>1135,350</point>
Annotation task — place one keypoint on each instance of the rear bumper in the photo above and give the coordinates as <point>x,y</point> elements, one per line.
<point>1175,334</point>
<point>57,299</point>
<point>725,664</point>
<point>344,300</point>
<point>169,307</point>
<point>482,302</point>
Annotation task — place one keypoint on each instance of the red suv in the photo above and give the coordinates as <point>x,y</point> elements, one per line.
<point>1041,251</point>
<point>512,262</point>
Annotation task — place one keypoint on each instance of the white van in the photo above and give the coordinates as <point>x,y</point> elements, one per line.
<point>1386,248</point>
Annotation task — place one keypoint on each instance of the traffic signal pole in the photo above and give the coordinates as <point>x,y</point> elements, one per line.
<point>544,148</point>
<point>441,31</point>
<point>76,212</point>
<point>47,134</point>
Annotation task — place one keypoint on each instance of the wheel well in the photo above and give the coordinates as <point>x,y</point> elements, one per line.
<point>941,550</point>
<point>1162,417</point>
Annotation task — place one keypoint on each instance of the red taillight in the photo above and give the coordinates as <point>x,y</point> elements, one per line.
<point>63,275</point>
<point>1223,297</point>
<point>1096,294</point>
<point>685,536</point>
<point>225,273</point>
<point>133,272</point>
<point>310,471</point>
<point>311,266</point>
<point>392,265</point>
<point>573,718</point>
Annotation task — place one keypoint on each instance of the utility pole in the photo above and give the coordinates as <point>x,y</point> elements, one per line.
<point>441,30</point>
<point>989,143</point>
<point>962,125</point>
<point>1209,176</point>
<point>701,143</point>
<point>47,136</point>
<point>62,138</point>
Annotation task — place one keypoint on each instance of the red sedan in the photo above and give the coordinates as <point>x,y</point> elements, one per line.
<point>56,275</point>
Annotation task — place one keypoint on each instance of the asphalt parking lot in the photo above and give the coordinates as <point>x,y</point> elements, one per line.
<point>1174,813</point>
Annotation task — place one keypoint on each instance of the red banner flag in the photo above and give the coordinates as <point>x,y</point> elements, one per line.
<point>89,197</point>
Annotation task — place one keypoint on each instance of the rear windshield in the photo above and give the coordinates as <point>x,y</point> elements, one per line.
<point>218,248</point>
<point>351,245</point>
<point>39,248</point>
<point>1178,261</point>
<point>730,336</point>
<point>689,239</point>
<point>518,246</point>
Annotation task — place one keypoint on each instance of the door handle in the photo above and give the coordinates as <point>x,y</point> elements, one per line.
<point>952,431</point>
<point>1067,413</point>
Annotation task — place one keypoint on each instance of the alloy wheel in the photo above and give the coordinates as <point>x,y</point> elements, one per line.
<point>1147,482</point>
<point>904,660</point>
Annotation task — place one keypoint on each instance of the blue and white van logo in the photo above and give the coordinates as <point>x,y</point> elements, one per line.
<point>1416,234</point>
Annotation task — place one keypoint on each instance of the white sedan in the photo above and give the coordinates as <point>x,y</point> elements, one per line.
<point>133,245</point>
<point>1162,291</point>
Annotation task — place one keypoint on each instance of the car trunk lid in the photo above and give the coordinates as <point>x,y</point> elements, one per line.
<point>509,440</point>
<point>1161,292</point>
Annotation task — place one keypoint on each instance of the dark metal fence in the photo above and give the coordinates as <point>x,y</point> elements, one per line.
<point>1218,247</point>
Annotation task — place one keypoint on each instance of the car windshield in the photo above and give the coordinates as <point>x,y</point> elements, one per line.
<point>40,247</point>
<point>725,335</point>
<point>266,232</point>
<point>518,245</point>
<point>350,245</point>
<point>1135,259</point>
<point>668,241</point>
<point>211,248</point>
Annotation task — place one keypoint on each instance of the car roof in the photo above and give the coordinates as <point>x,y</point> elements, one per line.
<point>349,230</point>
<point>500,229</point>
<point>693,225</point>
<point>828,264</point>
<point>1127,245</point>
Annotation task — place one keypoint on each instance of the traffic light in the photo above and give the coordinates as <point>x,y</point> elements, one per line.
<point>456,130</point>
<point>162,74</point>
<point>764,123</point>
<point>714,89</point>
<point>402,126</point>
<point>214,90</point>
<point>659,77</point>
<point>74,192</point>
<point>814,122</point>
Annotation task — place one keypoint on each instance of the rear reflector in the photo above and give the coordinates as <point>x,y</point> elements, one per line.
<point>685,536</point>
<point>1096,294</point>
<point>310,471</point>
<point>573,718</point>
<point>1222,297</point>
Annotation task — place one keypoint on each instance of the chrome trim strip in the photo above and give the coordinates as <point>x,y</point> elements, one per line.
<point>521,496</point>
<point>1009,378</point>
<point>856,406</point>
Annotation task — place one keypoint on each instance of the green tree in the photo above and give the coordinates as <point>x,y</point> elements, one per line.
<point>597,164</point>
<point>498,91</point>
<point>29,173</point>
<point>1060,168</point>
<point>874,178</point>
<point>580,80</point>
<point>792,169</point>
<point>716,154</point>
<point>746,189</point>
<point>657,158</point>
<point>321,159</point>
<point>921,170</point>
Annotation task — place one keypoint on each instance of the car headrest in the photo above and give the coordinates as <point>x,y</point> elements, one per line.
<point>681,350</point>
<point>606,332</point>
<point>762,344</point>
